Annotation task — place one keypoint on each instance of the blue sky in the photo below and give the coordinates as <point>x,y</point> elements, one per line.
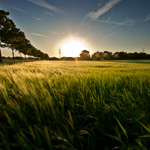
<point>113,25</point>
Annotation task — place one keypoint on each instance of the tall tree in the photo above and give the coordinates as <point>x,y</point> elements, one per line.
<point>12,37</point>
<point>3,18</point>
<point>85,55</point>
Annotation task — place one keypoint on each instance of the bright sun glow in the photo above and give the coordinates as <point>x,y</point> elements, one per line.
<point>72,48</point>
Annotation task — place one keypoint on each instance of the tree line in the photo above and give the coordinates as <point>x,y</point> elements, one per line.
<point>13,38</point>
<point>106,55</point>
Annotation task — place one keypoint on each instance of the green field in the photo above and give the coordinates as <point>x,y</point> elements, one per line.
<point>75,105</point>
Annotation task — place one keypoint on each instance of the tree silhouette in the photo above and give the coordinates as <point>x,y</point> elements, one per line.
<point>3,29</point>
<point>13,38</point>
<point>85,55</point>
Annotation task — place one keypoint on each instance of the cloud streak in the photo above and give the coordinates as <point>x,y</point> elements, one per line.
<point>48,13</point>
<point>109,35</point>
<point>91,16</point>
<point>127,22</point>
<point>56,33</point>
<point>147,18</point>
<point>44,4</point>
<point>37,34</point>
<point>38,19</point>
<point>16,9</point>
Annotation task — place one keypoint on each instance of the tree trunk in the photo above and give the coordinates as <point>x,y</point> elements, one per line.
<point>1,57</point>
<point>13,54</point>
<point>20,56</point>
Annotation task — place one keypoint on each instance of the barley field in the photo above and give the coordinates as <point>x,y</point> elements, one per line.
<point>75,105</point>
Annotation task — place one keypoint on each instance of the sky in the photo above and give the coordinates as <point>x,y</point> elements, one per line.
<point>97,25</point>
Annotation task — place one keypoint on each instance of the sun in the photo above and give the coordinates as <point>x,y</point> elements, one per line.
<point>72,48</point>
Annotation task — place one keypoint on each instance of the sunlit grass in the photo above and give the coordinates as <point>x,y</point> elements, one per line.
<point>75,105</point>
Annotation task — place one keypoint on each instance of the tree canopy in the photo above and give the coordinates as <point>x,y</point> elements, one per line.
<point>13,38</point>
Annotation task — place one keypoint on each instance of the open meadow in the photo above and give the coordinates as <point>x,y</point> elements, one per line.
<point>75,105</point>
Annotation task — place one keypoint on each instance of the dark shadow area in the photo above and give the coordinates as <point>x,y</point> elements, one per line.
<point>102,66</point>
<point>16,60</point>
<point>133,61</point>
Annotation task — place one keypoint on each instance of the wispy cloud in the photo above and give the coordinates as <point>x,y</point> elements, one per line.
<point>38,19</point>
<point>44,4</point>
<point>117,25</point>
<point>37,34</point>
<point>95,15</point>
<point>56,33</point>
<point>147,18</point>
<point>48,13</point>
<point>109,35</point>
<point>16,9</point>
<point>127,22</point>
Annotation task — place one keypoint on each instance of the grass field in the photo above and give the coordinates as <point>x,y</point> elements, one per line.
<point>75,105</point>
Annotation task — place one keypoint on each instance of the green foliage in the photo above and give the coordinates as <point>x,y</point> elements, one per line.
<point>12,37</point>
<point>75,105</point>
